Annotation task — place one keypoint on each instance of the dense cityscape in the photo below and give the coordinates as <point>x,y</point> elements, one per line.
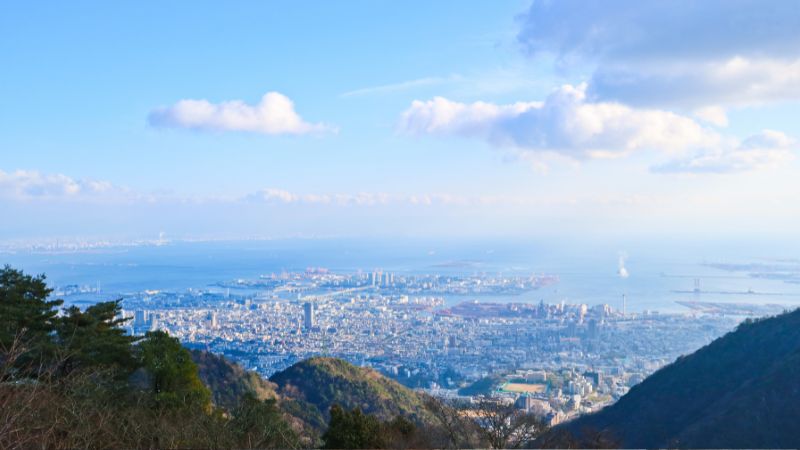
<point>445,334</point>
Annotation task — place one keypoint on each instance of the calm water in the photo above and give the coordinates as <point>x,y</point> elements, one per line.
<point>588,273</point>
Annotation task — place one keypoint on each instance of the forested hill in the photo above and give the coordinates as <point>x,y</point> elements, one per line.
<point>228,381</point>
<point>740,391</point>
<point>316,384</point>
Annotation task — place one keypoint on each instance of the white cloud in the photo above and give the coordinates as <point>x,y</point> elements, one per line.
<point>27,185</point>
<point>564,123</point>
<point>635,30</point>
<point>400,86</point>
<point>281,196</point>
<point>273,115</point>
<point>764,150</point>
<point>443,116</point>
<point>768,139</point>
<point>714,115</point>
<point>679,53</point>
<point>272,194</point>
<point>275,196</point>
<point>32,186</point>
<point>732,82</point>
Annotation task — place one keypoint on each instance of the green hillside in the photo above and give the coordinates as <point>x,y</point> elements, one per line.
<point>740,391</point>
<point>316,384</point>
<point>228,381</point>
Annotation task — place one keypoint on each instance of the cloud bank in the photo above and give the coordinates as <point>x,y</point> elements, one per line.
<point>732,82</point>
<point>764,150</point>
<point>686,53</point>
<point>567,124</point>
<point>28,185</point>
<point>54,205</point>
<point>633,30</point>
<point>273,115</point>
<point>564,123</point>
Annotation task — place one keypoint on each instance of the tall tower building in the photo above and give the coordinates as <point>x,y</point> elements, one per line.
<point>309,321</point>
<point>155,321</point>
<point>211,320</point>
<point>139,318</point>
<point>624,304</point>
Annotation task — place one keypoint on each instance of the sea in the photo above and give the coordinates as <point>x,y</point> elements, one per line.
<point>653,275</point>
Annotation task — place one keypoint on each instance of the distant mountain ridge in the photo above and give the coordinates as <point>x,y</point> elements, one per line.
<point>740,391</point>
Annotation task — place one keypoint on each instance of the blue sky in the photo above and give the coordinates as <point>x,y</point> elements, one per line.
<point>399,118</point>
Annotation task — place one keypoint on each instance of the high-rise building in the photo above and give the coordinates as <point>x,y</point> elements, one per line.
<point>211,320</point>
<point>541,311</point>
<point>154,320</point>
<point>593,331</point>
<point>309,321</point>
<point>594,377</point>
<point>139,318</point>
<point>624,304</point>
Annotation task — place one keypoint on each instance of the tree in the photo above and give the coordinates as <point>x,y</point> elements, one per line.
<point>504,426</point>
<point>260,424</point>
<point>27,317</point>
<point>401,433</point>
<point>352,429</point>
<point>172,375</point>
<point>456,427</point>
<point>94,338</point>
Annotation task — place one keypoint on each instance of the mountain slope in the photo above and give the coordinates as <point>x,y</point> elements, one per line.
<point>742,390</point>
<point>316,384</point>
<point>228,381</point>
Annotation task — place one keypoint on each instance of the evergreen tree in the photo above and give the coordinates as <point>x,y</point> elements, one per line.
<point>27,317</point>
<point>94,338</point>
<point>173,376</point>
<point>352,429</point>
